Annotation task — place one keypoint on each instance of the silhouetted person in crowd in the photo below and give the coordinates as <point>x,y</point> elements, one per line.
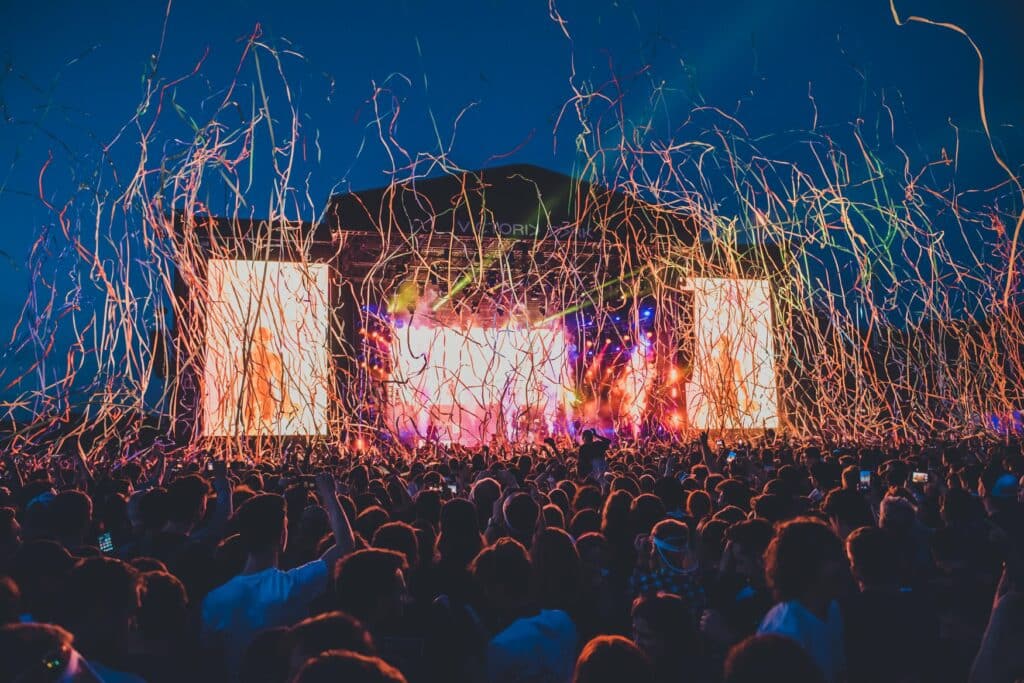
<point>324,632</point>
<point>528,644</point>
<point>592,452</point>
<point>162,624</point>
<point>739,597</point>
<point>663,629</point>
<point>342,665</point>
<point>806,569</point>
<point>99,605</point>
<point>370,585</point>
<point>31,653</point>
<point>770,657</point>
<point>891,621</point>
<point>609,659</point>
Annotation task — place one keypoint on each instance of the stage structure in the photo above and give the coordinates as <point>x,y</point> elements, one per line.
<point>509,304</point>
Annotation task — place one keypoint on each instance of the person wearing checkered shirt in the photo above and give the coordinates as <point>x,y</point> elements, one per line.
<point>666,564</point>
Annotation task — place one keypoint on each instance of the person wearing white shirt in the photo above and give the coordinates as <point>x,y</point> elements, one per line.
<point>806,568</point>
<point>263,596</point>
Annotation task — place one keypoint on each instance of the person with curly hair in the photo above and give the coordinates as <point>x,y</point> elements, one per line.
<point>806,568</point>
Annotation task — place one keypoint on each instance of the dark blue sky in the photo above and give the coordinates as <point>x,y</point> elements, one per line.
<point>72,76</point>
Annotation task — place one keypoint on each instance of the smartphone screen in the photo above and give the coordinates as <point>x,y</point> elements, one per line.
<point>865,479</point>
<point>106,543</point>
<point>731,456</point>
<point>453,488</point>
<point>919,477</point>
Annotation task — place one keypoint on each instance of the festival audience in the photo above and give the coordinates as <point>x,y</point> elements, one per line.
<point>590,562</point>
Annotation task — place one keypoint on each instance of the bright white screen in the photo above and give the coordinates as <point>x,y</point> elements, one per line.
<point>468,385</point>
<point>733,382</point>
<point>266,367</point>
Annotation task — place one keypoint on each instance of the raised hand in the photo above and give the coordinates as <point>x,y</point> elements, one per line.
<point>220,472</point>
<point>326,486</point>
<point>344,538</point>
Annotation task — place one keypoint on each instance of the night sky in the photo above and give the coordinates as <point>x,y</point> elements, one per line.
<point>73,73</point>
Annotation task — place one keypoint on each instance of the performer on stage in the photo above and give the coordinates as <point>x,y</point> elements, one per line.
<point>729,385</point>
<point>265,379</point>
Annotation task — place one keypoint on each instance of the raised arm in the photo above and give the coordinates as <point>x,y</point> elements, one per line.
<point>83,474</point>
<point>14,477</point>
<point>344,538</point>
<point>158,473</point>
<point>223,506</point>
<point>706,455</point>
<point>669,468</point>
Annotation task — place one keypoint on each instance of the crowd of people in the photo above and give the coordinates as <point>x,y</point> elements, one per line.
<point>589,562</point>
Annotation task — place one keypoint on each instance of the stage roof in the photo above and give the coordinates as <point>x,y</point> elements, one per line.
<point>516,201</point>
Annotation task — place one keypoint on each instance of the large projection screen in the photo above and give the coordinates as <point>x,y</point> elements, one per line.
<point>733,383</point>
<point>471,385</point>
<point>266,369</point>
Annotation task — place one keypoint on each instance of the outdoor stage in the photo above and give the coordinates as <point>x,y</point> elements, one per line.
<point>461,327</point>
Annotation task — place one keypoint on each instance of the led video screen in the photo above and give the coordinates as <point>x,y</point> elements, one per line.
<point>733,381</point>
<point>266,369</point>
<point>470,385</point>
